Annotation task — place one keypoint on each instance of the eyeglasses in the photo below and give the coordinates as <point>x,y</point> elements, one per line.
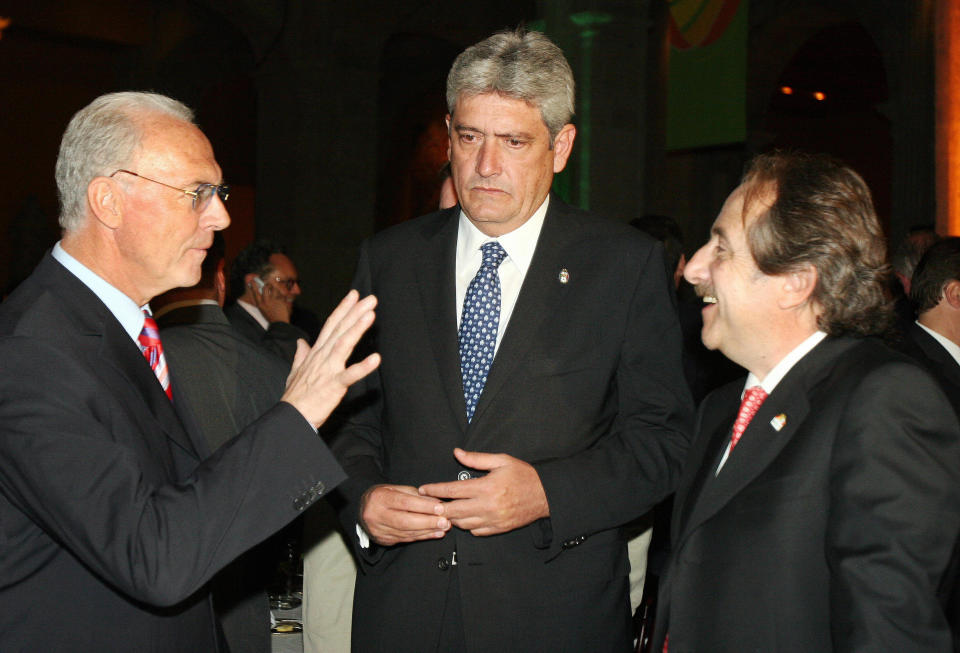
<point>201,196</point>
<point>288,283</point>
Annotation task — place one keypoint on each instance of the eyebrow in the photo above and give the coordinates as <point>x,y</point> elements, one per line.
<point>518,135</point>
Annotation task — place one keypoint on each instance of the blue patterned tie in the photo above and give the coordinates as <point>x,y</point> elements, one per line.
<point>478,325</point>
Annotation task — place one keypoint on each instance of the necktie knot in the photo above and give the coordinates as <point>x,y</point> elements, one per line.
<point>749,405</point>
<point>493,254</point>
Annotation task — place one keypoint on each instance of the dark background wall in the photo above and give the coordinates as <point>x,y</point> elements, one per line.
<point>327,117</point>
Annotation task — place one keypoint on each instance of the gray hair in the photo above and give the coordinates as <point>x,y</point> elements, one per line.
<point>102,138</point>
<point>519,64</point>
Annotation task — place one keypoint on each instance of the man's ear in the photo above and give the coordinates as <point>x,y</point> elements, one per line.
<point>449,138</point>
<point>562,146</point>
<point>105,201</point>
<point>797,287</point>
<point>951,293</point>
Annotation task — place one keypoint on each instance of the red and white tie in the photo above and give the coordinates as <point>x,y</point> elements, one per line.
<point>153,351</point>
<point>749,406</point>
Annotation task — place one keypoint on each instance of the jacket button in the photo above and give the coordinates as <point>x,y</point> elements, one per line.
<point>443,564</point>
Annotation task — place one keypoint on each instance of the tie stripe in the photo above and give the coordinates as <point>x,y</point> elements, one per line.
<point>152,350</point>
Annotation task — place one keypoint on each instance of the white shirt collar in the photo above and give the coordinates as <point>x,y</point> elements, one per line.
<point>123,308</point>
<point>952,348</point>
<point>255,313</point>
<point>519,244</point>
<point>785,365</point>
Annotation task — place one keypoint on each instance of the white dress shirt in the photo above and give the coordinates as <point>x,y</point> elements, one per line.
<point>519,245</point>
<point>774,376</point>
<point>255,313</point>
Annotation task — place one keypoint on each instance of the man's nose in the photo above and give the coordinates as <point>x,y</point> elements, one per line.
<point>696,270</point>
<point>488,159</point>
<point>215,216</point>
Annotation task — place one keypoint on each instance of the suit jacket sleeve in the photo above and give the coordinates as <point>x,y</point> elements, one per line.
<point>91,466</point>
<point>638,462</point>
<point>359,445</point>
<point>895,489</point>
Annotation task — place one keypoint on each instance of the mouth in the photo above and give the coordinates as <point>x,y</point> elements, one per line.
<point>705,293</point>
<point>487,189</point>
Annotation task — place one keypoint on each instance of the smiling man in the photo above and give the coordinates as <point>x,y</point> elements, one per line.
<point>110,526</point>
<point>822,515</point>
<point>531,400</point>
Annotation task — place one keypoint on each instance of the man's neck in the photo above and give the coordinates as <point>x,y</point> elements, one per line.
<point>99,260</point>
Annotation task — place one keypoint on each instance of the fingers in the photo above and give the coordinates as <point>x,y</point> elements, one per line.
<point>319,380</point>
<point>303,350</point>
<point>359,370</point>
<point>345,315</point>
<point>480,460</point>
<point>453,489</point>
<point>393,514</point>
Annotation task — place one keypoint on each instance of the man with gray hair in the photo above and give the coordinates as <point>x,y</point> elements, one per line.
<point>531,398</point>
<point>110,525</point>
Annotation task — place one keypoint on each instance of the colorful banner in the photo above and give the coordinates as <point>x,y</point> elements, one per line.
<point>706,89</point>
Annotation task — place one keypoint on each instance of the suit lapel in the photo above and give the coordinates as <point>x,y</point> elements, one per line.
<point>775,424</point>
<point>539,297</point>
<point>436,277</point>
<point>107,347</point>
<point>933,350</point>
<point>719,411</point>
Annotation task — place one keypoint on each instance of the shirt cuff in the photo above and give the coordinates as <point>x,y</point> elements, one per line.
<point>363,537</point>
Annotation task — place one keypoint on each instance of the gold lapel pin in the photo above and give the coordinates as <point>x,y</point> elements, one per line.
<point>564,275</point>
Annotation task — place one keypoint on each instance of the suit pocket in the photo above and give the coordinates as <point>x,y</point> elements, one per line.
<point>555,366</point>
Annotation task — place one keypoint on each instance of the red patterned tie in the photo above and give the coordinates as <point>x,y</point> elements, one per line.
<point>749,406</point>
<point>153,351</point>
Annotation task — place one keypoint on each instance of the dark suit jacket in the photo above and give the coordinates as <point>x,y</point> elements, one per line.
<point>586,385</point>
<point>280,339</point>
<point>832,533</point>
<point>109,524</point>
<point>224,383</point>
<point>920,345</point>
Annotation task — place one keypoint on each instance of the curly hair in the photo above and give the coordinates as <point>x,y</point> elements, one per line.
<point>822,216</point>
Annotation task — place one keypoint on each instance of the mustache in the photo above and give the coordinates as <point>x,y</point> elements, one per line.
<point>703,290</point>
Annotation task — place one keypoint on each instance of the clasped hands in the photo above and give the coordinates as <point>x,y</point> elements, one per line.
<point>508,497</point>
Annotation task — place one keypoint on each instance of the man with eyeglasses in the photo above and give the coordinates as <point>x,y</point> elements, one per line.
<point>265,283</point>
<point>110,525</point>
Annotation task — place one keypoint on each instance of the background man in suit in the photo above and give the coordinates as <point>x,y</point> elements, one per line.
<point>826,522</point>
<point>224,383</point>
<point>265,284</point>
<point>934,340</point>
<point>500,515</point>
<point>935,337</point>
<point>110,524</point>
